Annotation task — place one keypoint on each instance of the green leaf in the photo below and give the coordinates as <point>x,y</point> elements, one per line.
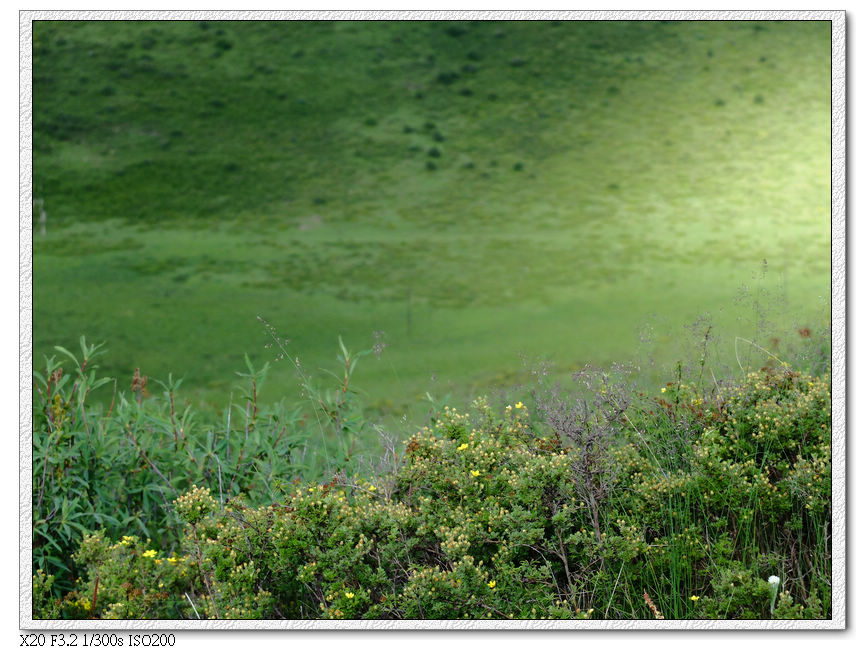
<point>100,382</point>
<point>77,526</point>
<point>67,353</point>
<point>102,518</point>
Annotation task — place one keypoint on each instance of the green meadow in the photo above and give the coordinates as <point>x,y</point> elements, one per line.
<point>478,196</point>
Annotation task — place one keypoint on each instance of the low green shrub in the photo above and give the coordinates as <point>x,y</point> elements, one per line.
<point>601,503</point>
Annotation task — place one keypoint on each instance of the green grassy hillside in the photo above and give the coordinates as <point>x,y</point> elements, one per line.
<point>475,191</point>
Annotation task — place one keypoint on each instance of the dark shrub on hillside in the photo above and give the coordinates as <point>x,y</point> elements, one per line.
<point>447,77</point>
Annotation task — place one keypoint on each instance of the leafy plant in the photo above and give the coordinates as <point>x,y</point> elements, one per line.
<point>490,515</point>
<point>118,470</point>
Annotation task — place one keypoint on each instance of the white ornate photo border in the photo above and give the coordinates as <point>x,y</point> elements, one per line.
<point>838,318</point>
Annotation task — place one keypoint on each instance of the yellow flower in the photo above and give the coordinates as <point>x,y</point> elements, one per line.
<point>475,472</point>
<point>695,598</point>
<point>519,405</point>
<point>663,390</point>
<point>150,553</point>
<point>349,594</point>
<point>491,584</point>
<point>463,446</point>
